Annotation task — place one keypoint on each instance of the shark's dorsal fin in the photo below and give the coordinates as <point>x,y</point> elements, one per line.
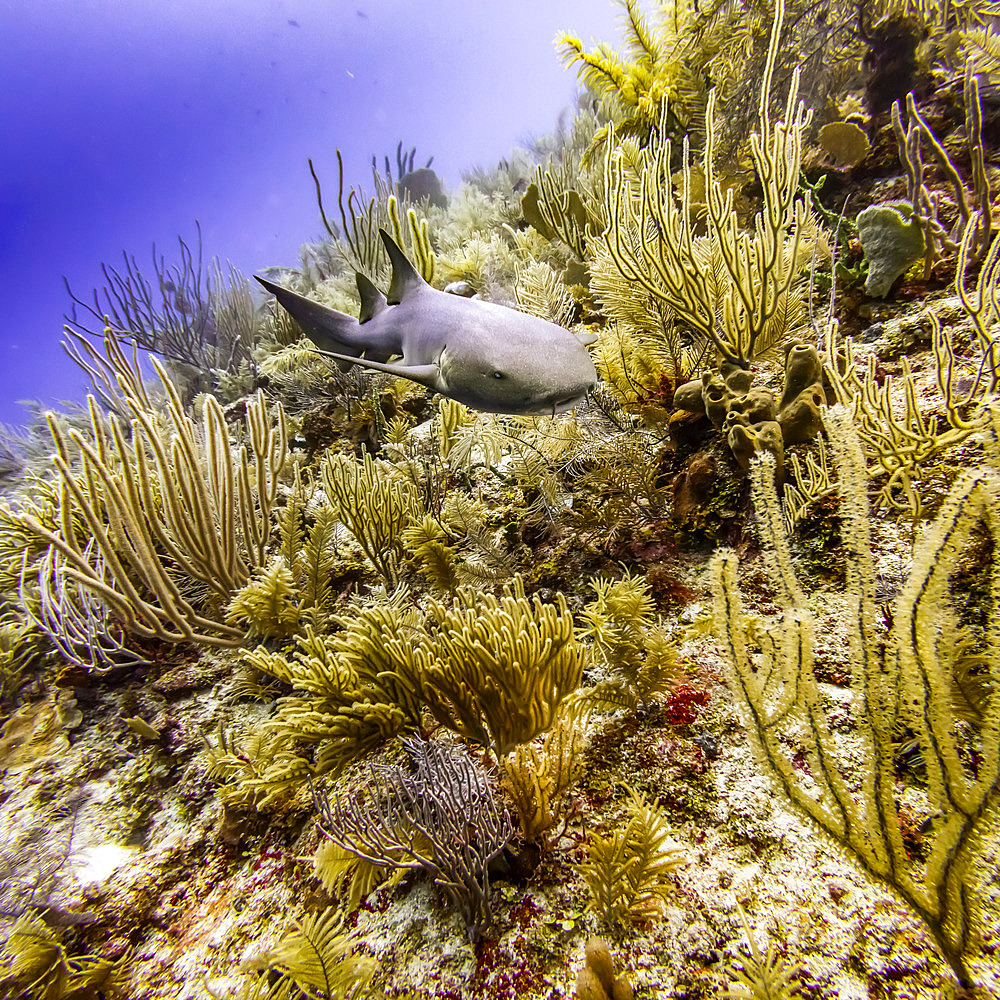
<point>405,278</point>
<point>372,300</point>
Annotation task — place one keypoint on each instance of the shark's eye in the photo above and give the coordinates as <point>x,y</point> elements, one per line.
<point>498,374</point>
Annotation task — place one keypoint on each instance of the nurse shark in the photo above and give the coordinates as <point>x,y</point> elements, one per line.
<point>482,354</point>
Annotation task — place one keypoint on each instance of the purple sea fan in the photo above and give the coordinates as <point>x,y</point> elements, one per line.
<point>437,813</point>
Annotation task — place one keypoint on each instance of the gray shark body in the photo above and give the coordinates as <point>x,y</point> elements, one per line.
<point>484,355</point>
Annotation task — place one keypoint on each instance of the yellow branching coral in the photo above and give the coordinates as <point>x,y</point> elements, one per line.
<point>539,778</point>
<point>169,501</point>
<point>631,640</point>
<point>352,691</point>
<point>253,767</point>
<point>663,67</point>
<point>982,47</point>
<point>373,505</point>
<point>317,958</point>
<point>348,877</point>
<point>428,542</point>
<point>541,291</point>
<point>294,587</point>
<point>623,475</point>
<point>636,367</point>
<point>622,610</point>
<point>453,417</point>
<point>626,871</point>
<point>641,353</point>
<point>500,666</point>
<point>936,236</point>
<point>553,205</point>
<point>41,970</point>
<point>313,562</point>
<point>810,481</point>
<point>901,439</point>
<point>982,306</point>
<point>380,643</point>
<point>906,677</point>
<point>541,450</point>
<point>757,974</point>
<point>358,238</point>
<point>487,560</point>
<point>419,242</point>
<point>737,288</point>
<point>266,603</point>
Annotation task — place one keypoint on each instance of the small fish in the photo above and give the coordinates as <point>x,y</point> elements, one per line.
<point>482,354</point>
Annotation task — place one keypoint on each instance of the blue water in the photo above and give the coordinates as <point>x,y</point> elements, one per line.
<point>121,123</point>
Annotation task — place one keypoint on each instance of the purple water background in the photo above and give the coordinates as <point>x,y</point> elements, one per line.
<point>121,123</point>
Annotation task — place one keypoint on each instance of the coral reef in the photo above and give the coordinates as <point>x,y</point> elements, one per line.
<point>315,684</point>
<point>909,684</point>
<point>500,668</point>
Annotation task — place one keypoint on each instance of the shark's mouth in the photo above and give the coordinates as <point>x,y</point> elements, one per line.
<point>568,402</point>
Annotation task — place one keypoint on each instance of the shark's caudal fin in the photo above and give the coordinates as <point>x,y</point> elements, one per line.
<point>328,329</point>
<point>428,376</point>
<point>405,278</point>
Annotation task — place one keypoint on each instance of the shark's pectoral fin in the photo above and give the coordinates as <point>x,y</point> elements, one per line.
<point>428,376</point>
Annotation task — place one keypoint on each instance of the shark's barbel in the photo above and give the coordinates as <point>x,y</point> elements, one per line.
<point>484,355</point>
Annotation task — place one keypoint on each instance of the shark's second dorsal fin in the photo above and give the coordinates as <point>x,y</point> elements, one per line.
<point>405,278</point>
<point>372,300</point>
